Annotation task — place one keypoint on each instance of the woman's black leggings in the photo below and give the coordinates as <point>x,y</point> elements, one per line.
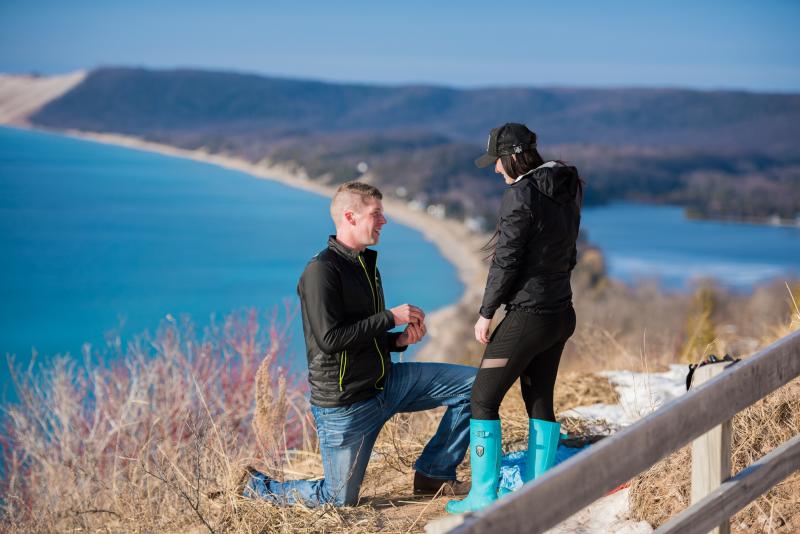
<point>528,346</point>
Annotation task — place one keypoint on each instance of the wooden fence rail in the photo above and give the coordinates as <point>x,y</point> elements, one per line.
<point>584,478</point>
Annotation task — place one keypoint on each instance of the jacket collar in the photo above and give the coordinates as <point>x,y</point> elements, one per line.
<point>546,165</point>
<point>350,253</point>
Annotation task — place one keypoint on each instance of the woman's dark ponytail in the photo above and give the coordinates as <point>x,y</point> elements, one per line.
<point>518,164</point>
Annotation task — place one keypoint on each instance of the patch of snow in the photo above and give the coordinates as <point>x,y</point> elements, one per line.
<point>640,394</point>
<point>609,514</point>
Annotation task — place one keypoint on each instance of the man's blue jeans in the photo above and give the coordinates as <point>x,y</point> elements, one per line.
<point>347,434</point>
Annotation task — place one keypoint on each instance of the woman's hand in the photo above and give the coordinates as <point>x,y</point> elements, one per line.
<point>482,329</point>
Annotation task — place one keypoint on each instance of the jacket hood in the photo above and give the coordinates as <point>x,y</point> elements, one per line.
<point>557,181</point>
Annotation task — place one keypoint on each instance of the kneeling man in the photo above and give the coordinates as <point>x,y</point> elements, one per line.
<point>355,387</point>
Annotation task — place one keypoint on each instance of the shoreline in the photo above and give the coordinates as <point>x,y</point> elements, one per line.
<point>774,221</point>
<point>458,245</point>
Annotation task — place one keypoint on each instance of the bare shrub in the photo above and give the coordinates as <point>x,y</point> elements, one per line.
<point>141,443</point>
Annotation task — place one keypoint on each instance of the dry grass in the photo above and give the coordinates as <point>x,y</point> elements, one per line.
<point>140,445</point>
<point>664,489</point>
<point>622,327</point>
<point>159,441</point>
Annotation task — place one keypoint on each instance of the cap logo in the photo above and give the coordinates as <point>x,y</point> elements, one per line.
<point>518,149</point>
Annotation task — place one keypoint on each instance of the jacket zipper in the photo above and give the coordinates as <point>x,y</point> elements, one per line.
<point>342,368</point>
<point>375,305</point>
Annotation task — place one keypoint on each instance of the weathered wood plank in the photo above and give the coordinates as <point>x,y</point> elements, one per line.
<point>737,492</point>
<point>711,452</point>
<point>581,480</point>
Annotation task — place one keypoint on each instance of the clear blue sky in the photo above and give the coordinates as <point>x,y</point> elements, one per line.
<point>733,44</point>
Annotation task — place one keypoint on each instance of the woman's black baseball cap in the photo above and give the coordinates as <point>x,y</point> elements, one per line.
<point>510,138</point>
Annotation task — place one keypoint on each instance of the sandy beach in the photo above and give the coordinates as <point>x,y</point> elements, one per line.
<point>448,327</point>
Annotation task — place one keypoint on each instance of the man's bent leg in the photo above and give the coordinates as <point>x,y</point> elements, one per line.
<point>346,435</point>
<point>417,386</point>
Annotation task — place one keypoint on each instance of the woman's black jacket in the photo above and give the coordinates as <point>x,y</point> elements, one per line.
<point>346,325</point>
<point>536,252</point>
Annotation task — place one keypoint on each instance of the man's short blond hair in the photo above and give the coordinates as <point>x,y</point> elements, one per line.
<point>350,196</point>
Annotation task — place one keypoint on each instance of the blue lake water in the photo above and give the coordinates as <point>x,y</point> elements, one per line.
<point>658,243</point>
<point>97,239</point>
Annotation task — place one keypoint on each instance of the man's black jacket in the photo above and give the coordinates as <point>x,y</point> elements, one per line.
<point>536,252</point>
<point>346,325</point>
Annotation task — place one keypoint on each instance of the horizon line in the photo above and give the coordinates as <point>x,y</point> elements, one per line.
<point>455,87</point>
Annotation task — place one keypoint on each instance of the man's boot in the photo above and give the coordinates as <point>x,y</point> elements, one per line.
<point>543,439</point>
<point>425,485</point>
<point>484,457</point>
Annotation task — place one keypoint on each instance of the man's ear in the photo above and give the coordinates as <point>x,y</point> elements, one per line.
<point>350,217</point>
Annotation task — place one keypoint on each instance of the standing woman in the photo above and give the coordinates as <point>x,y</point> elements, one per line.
<point>533,258</point>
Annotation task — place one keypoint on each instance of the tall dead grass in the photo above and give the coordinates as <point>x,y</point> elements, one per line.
<point>142,443</point>
<point>664,490</point>
<point>646,328</point>
<point>159,441</point>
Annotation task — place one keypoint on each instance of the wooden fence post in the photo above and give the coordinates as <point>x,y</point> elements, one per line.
<point>711,452</point>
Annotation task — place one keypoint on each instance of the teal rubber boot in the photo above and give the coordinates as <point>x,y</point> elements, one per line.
<point>543,439</point>
<point>484,457</point>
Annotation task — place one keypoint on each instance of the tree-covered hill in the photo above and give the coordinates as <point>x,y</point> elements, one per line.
<point>722,153</point>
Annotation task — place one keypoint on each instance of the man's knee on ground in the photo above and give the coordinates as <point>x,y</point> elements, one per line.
<point>343,497</point>
<point>347,501</point>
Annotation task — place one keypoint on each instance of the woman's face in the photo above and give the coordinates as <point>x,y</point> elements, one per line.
<point>498,168</point>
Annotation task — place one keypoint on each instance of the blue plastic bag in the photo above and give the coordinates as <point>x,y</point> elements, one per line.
<point>512,464</point>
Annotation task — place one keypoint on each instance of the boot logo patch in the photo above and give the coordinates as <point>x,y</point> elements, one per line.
<point>479,450</point>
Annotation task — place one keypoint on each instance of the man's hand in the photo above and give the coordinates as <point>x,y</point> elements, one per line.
<point>413,333</point>
<point>406,313</point>
<point>482,329</point>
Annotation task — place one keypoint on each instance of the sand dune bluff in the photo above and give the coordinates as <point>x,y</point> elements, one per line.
<point>23,94</point>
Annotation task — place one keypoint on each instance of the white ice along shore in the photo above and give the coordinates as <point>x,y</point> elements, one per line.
<point>639,394</point>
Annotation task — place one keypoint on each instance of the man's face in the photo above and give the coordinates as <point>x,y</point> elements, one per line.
<point>369,220</point>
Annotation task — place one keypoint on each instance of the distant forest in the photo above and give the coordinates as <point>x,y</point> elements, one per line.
<point>721,154</point>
